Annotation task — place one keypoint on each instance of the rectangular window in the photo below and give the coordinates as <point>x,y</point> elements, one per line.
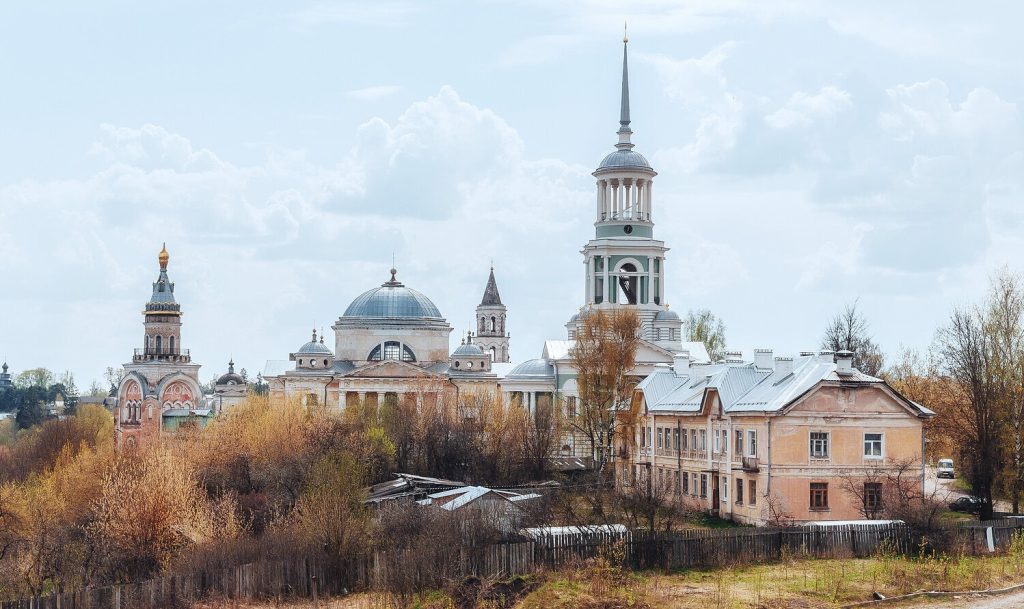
<point>693,491</point>
<point>693,439</point>
<point>872,496</point>
<point>725,489</point>
<point>659,437</point>
<point>752,495</point>
<point>819,445</point>
<point>686,438</point>
<point>643,439</point>
<point>703,440</point>
<point>686,483</point>
<point>675,434</point>
<point>703,485</point>
<point>571,405</point>
<point>739,491</point>
<point>718,444</point>
<point>819,495</point>
<point>751,442</point>
<point>739,443</point>
<point>649,439</point>
<point>725,441</point>
<point>873,445</point>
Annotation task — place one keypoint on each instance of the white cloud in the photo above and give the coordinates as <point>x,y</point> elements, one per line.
<point>803,110</point>
<point>373,93</point>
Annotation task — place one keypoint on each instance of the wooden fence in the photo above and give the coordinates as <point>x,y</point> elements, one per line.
<point>636,549</point>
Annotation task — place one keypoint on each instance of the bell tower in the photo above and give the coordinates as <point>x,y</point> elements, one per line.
<point>491,334</point>
<point>624,265</point>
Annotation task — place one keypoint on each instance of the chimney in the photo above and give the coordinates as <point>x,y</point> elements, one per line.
<point>807,354</point>
<point>681,363</point>
<point>826,357</point>
<point>844,362</point>
<point>783,366</point>
<point>763,359</point>
<point>733,357</point>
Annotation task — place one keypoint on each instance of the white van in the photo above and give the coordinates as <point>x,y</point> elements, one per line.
<point>945,469</point>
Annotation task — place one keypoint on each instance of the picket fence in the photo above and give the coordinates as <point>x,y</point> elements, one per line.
<point>310,579</point>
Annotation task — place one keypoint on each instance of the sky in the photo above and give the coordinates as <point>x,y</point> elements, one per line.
<point>809,154</point>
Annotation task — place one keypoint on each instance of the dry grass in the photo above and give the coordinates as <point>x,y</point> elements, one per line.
<point>806,584</point>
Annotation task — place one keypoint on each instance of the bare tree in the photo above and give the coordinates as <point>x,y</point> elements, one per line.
<point>604,354</point>
<point>976,422</point>
<point>849,331</point>
<point>702,326</point>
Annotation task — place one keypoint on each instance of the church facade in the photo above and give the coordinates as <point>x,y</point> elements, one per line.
<point>392,343</point>
<point>160,391</point>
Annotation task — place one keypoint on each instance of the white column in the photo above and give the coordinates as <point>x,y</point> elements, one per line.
<point>661,282</point>
<point>647,192</point>
<point>650,279</point>
<point>604,288</point>
<point>599,200</point>
<point>591,278</point>
<point>643,198</point>
<point>533,403</point>
<point>586,295</point>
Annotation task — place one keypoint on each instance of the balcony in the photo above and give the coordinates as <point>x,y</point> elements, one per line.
<point>180,356</point>
<point>750,464</point>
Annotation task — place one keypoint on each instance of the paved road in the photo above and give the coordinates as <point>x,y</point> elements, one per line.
<point>946,490</point>
<point>1005,601</point>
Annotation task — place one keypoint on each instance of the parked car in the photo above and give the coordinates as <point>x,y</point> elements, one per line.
<point>945,469</point>
<point>968,505</point>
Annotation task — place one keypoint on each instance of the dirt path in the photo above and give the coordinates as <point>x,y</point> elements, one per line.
<point>1014,600</point>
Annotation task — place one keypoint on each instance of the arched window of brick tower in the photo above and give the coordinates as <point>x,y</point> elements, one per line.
<point>483,324</point>
<point>493,323</point>
<point>494,354</point>
<point>170,347</point>
<point>159,345</point>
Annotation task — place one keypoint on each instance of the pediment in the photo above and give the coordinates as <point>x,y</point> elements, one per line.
<point>649,353</point>
<point>391,369</point>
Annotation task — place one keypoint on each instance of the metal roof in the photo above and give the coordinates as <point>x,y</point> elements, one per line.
<point>624,159</point>
<point>532,369</point>
<point>392,301</point>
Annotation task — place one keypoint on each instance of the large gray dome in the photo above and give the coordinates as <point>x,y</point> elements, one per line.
<point>624,159</point>
<point>392,299</point>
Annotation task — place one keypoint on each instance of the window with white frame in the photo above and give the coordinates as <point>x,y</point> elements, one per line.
<point>819,445</point>
<point>659,438</point>
<point>739,443</point>
<point>686,443</point>
<point>703,440</point>
<point>718,444</point>
<point>873,445</point>
<point>751,442</point>
<point>725,489</point>
<point>725,441</point>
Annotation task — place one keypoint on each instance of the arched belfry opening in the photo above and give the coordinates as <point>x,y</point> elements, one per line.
<point>628,284</point>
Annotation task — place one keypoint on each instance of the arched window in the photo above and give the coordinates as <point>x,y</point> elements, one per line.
<point>159,345</point>
<point>493,324</point>
<point>393,350</point>
<point>147,343</point>
<point>494,354</point>
<point>483,322</point>
<point>170,345</point>
<point>501,328</point>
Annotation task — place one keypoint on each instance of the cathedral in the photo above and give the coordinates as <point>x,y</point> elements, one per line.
<point>392,343</point>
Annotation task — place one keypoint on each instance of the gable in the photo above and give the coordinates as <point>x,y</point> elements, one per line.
<point>866,400</point>
<point>390,369</point>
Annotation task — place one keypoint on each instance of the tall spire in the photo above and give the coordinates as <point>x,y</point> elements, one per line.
<point>491,296</point>
<point>624,130</point>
